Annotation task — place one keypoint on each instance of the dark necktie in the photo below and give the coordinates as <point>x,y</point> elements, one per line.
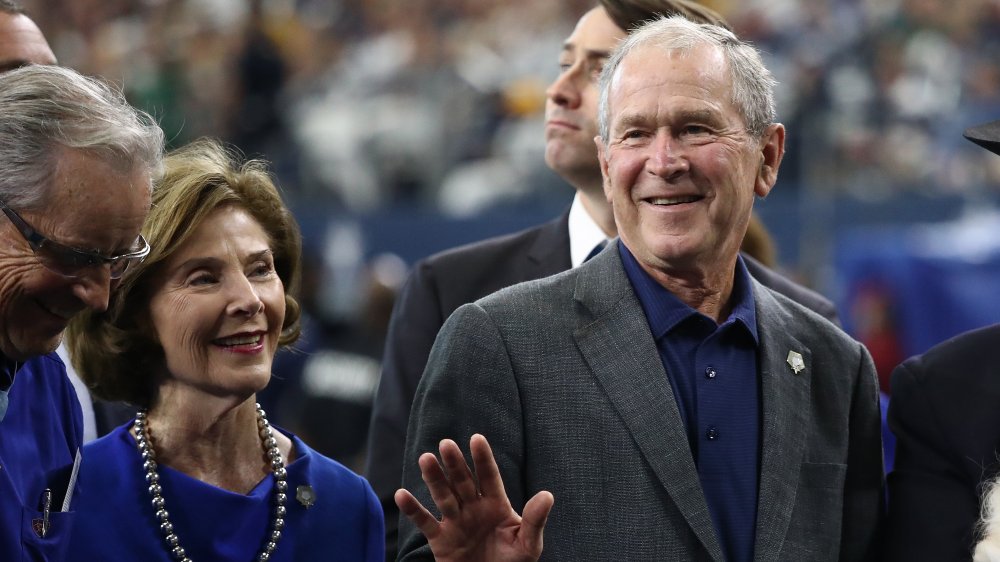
<point>597,249</point>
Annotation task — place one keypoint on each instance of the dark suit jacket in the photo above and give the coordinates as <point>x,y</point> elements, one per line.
<point>945,413</point>
<point>563,376</point>
<point>781,284</point>
<point>440,284</point>
<point>436,287</point>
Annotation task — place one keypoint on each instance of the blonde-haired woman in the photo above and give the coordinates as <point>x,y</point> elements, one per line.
<point>189,338</point>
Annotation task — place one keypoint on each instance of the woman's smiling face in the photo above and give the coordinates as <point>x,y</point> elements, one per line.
<point>217,307</point>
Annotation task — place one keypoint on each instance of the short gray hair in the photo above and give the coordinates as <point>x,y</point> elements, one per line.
<point>46,109</point>
<point>752,83</point>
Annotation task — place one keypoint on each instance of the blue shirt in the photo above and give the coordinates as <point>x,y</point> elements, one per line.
<point>345,524</point>
<point>713,373</point>
<point>40,436</point>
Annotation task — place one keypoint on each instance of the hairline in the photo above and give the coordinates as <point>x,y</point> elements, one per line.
<point>683,42</point>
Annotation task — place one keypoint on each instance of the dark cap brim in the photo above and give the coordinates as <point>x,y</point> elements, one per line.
<point>986,135</point>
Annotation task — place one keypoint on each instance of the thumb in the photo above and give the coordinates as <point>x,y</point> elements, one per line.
<point>533,519</point>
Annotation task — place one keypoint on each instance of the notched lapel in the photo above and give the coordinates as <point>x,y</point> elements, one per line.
<point>549,253</point>
<point>784,399</point>
<point>617,345</point>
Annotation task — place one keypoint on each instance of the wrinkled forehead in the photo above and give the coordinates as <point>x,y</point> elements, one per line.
<point>699,67</point>
<point>85,179</point>
<point>700,62</point>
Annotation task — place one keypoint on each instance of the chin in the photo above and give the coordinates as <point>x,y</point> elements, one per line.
<point>259,380</point>
<point>34,347</point>
<point>673,255</point>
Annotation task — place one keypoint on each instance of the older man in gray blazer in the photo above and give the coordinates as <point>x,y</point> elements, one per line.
<point>675,408</point>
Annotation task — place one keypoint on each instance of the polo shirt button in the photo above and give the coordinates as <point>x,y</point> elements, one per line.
<point>710,372</point>
<point>712,434</point>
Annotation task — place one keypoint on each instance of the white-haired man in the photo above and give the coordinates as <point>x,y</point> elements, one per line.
<point>673,406</point>
<point>78,164</point>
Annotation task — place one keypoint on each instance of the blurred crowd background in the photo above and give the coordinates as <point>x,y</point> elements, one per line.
<point>399,128</point>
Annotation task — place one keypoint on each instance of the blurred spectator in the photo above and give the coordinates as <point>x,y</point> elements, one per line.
<point>437,102</point>
<point>872,310</point>
<point>257,121</point>
<point>758,244</point>
<point>323,388</point>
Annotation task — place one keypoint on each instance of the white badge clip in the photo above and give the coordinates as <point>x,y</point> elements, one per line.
<point>795,361</point>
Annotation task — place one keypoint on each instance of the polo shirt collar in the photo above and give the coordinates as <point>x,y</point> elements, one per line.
<point>664,311</point>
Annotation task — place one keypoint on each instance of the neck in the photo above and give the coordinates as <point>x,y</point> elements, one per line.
<point>598,208</point>
<point>221,448</point>
<point>147,448</point>
<point>706,290</point>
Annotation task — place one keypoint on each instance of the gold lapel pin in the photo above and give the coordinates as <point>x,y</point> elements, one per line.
<point>795,361</point>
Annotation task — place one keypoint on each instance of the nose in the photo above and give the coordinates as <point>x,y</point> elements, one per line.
<point>244,299</point>
<point>94,288</point>
<point>565,90</point>
<point>668,159</point>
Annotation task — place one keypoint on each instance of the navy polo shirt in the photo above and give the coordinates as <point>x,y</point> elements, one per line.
<point>712,369</point>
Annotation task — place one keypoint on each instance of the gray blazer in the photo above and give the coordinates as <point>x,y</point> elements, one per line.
<point>563,377</point>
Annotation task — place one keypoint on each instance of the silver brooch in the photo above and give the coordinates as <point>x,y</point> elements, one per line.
<point>795,361</point>
<point>306,495</point>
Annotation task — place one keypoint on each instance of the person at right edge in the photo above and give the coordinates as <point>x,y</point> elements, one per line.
<point>656,402</point>
<point>944,497</point>
<point>441,283</point>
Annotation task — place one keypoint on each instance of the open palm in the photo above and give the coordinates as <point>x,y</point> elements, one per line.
<point>476,523</point>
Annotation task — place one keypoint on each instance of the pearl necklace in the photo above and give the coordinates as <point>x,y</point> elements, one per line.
<point>156,492</point>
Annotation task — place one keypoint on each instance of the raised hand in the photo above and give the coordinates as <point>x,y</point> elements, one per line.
<point>476,524</point>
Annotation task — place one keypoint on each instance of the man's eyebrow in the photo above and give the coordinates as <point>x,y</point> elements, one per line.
<point>588,53</point>
<point>598,53</point>
<point>700,115</point>
<point>628,120</point>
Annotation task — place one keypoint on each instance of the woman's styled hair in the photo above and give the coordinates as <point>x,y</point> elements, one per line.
<point>116,352</point>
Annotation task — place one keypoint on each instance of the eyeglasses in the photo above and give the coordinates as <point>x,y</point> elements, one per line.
<point>71,262</point>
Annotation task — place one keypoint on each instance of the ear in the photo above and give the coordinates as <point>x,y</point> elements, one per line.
<point>602,157</point>
<point>772,149</point>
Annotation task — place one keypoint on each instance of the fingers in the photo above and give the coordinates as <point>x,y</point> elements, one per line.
<point>451,483</point>
<point>490,482</point>
<point>533,519</point>
<point>438,485</point>
<point>417,513</point>
<point>459,474</point>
